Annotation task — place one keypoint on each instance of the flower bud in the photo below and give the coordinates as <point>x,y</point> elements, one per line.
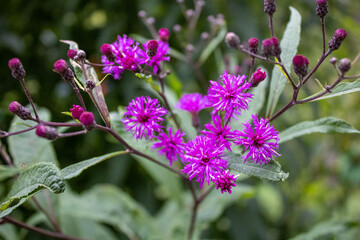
<point>142,14</point>
<point>76,111</point>
<point>46,132</point>
<point>152,47</point>
<point>276,47</point>
<point>232,40</point>
<point>336,39</point>
<point>267,47</point>
<point>88,120</point>
<point>19,110</point>
<point>321,8</point>
<point>17,69</point>
<point>72,53</point>
<point>269,6</point>
<point>177,28</point>
<point>61,67</point>
<point>253,45</point>
<point>257,77</point>
<point>107,50</point>
<point>90,84</point>
<point>344,65</point>
<point>163,34</point>
<point>81,55</point>
<point>333,60</point>
<point>300,64</point>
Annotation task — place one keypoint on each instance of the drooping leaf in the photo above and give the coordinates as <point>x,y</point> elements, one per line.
<point>289,44</point>
<point>76,169</point>
<point>108,204</point>
<point>97,92</point>
<point>254,106</point>
<point>27,148</point>
<point>213,44</point>
<point>169,183</point>
<point>341,89</point>
<point>323,125</point>
<point>32,180</point>
<point>271,171</point>
<point>328,230</point>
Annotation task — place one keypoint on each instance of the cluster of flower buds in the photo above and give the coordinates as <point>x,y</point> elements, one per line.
<point>86,118</point>
<point>21,111</point>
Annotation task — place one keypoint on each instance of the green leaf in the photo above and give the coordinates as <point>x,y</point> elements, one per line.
<point>76,169</point>
<point>97,92</point>
<point>169,183</point>
<point>341,89</point>
<point>213,44</point>
<point>254,106</point>
<point>271,171</point>
<point>289,44</point>
<point>6,172</point>
<point>32,180</point>
<point>328,230</point>
<point>27,148</point>
<point>8,232</point>
<point>177,54</point>
<point>108,204</point>
<point>323,125</point>
<point>149,80</point>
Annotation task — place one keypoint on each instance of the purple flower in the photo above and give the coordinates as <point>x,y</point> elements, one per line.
<point>220,134</point>
<point>203,159</point>
<point>193,102</point>
<point>225,181</point>
<point>229,94</point>
<point>127,56</point>
<point>161,52</point>
<point>171,145</point>
<point>143,117</point>
<point>261,141</point>
<point>76,111</point>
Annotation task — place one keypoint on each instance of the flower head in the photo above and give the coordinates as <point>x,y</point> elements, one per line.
<point>143,117</point>
<point>162,52</point>
<point>171,145</point>
<point>261,141</point>
<point>220,134</point>
<point>17,69</point>
<point>125,55</point>
<point>163,34</point>
<point>229,94</point>
<point>225,181</point>
<point>87,119</point>
<point>76,111</point>
<point>203,159</point>
<point>257,77</point>
<point>193,102</point>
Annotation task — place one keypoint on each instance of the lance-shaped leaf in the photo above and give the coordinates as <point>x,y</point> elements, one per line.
<point>323,125</point>
<point>76,169</point>
<point>289,44</point>
<point>97,93</point>
<point>341,89</point>
<point>32,180</point>
<point>271,171</point>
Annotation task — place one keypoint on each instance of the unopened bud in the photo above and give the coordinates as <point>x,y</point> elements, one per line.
<point>276,47</point>
<point>269,6</point>
<point>232,40</point>
<point>189,13</point>
<point>61,67</point>
<point>90,84</point>
<point>336,39</point>
<point>177,28</point>
<point>300,64</point>
<point>267,47</point>
<point>321,8</point>
<point>46,132</point>
<point>72,53</point>
<point>333,60</point>
<point>81,55</point>
<point>17,69</point>
<point>257,77</point>
<point>152,47</point>
<point>163,34</point>
<point>204,36</point>
<point>76,111</point>
<point>88,120</point>
<point>190,48</point>
<point>253,45</point>
<point>19,110</point>
<point>107,50</point>
<point>150,20</point>
<point>142,14</point>
<point>344,65</point>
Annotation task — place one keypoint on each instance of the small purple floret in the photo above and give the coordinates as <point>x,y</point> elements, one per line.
<point>225,181</point>
<point>143,117</point>
<point>192,102</point>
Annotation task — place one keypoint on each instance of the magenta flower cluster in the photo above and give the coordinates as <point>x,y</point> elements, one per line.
<point>126,54</point>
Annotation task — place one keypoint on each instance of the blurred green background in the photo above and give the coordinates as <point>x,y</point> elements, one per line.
<point>324,169</point>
